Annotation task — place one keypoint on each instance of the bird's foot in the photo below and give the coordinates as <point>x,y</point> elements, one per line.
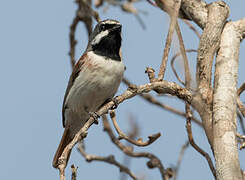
<point>114,100</point>
<point>95,116</point>
<point>116,103</point>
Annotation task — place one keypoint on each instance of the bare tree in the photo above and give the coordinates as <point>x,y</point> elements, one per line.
<point>217,102</point>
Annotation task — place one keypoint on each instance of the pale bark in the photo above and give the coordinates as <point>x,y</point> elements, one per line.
<point>209,43</point>
<point>224,105</point>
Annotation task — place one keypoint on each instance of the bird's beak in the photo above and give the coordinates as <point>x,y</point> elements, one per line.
<point>117,27</point>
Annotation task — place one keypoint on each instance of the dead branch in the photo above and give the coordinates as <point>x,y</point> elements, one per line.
<point>168,6</point>
<point>108,159</point>
<point>184,56</point>
<point>241,139</point>
<point>209,43</point>
<point>153,162</point>
<point>196,10</point>
<point>240,105</point>
<point>194,145</point>
<point>225,104</point>
<point>127,6</point>
<point>181,154</point>
<point>208,46</point>
<point>173,21</point>
<point>172,64</point>
<point>241,89</point>
<point>84,14</point>
<point>241,122</point>
<point>139,142</point>
<point>133,133</point>
<point>73,172</point>
<point>192,28</point>
<point>149,98</point>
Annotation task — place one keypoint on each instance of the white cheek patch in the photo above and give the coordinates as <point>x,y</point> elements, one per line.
<point>99,36</point>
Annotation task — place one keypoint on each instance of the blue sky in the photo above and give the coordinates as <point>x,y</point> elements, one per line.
<point>34,71</point>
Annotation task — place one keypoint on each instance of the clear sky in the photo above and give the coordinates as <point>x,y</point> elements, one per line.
<point>34,71</point>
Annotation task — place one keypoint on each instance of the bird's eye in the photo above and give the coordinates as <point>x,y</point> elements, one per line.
<point>102,27</point>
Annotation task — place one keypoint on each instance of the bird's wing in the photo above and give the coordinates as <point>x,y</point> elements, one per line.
<point>76,70</point>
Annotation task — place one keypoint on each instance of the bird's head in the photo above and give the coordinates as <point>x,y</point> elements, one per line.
<point>105,40</point>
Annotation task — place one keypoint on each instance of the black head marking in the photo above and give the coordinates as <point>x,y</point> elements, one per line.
<point>106,39</point>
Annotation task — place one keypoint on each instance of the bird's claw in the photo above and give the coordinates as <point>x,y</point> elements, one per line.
<point>95,116</point>
<point>116,103</point>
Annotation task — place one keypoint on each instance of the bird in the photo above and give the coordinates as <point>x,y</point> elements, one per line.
<point>94,80</point>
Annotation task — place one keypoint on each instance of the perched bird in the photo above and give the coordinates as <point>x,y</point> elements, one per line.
<point>94,80</point>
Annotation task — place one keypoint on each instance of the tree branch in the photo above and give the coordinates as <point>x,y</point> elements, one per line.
<point>109,159</point>
<point>139,142</point>
<point>181,154</point>
<point>73,172</point>
<point>184,56</point>
<point>84,14</point>
<point>241,106</point>
<point>194,145</point>
<point>173,21</point>
<point>172,64</point>
<point>225,104</point>
<point>209,43</point>
<point>149,98</point>
<point>196,10</point>
<point>192,28</point>
<point>153,162</point>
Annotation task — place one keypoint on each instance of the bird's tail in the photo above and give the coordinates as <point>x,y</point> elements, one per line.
<point>65,140</point>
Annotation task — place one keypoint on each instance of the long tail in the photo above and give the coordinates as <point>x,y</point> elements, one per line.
<point>65,140</point>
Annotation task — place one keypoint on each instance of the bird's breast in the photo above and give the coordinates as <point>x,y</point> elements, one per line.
<point>97,81</point>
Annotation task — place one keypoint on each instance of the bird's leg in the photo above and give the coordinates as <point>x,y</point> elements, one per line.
<point>115,103</point>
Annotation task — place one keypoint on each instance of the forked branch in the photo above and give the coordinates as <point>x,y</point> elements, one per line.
<point>108,159</point>
<point>139,142</point>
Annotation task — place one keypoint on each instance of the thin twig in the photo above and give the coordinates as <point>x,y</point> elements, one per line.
<point>133,133</point>
<point>73,172</point>
<point>192,28</point>
<point>172,64</point>
<point>126,6</point>
<point>84,14</point>
<point>129,8</point>
<point>108,159</point>
<point>181,154</point>
<point>169,39</point>
<point>194,145</point>
<point>73,42</point>
<point>153,162</point>
<point>184,56</point>
<point>62,173</point>
<point>139,142</point>
<point>152,3</point>
<point>241,140</point>
<point>241,122</point>
<point>240,105</point>
<point>241,89</point>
